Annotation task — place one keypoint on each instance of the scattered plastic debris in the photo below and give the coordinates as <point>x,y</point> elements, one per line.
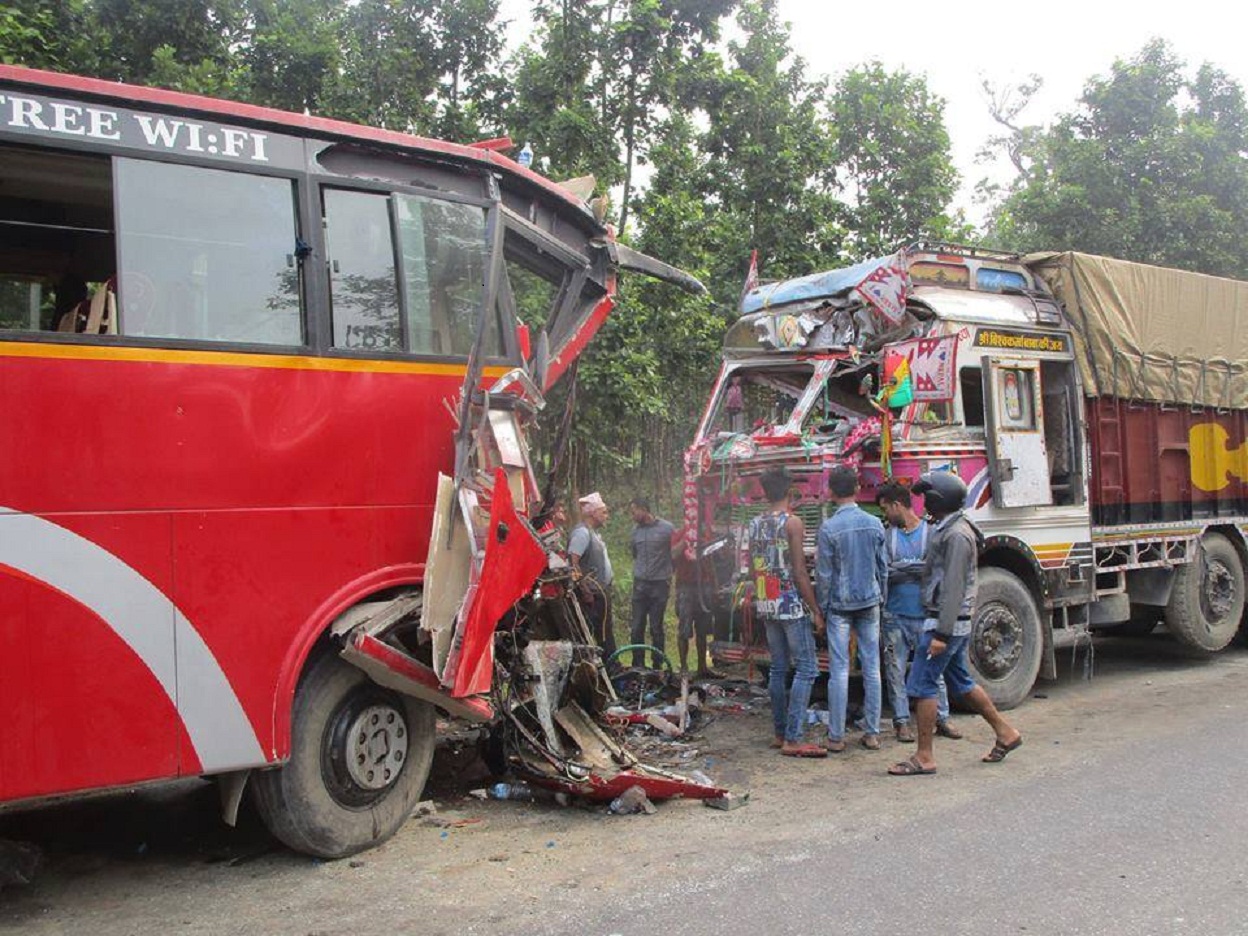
<point>632,801</point>
<point>730,800</point>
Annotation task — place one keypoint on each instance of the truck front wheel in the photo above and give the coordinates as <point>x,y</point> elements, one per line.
<point>1006,639</point>
<point>1207,597</point>
<point>359,758</point>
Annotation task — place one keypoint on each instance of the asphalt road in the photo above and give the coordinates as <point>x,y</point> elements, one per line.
<point>1122,813</point>
<point>1148,837</point>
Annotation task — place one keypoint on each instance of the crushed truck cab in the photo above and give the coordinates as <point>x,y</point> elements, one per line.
<point>1099,435</point>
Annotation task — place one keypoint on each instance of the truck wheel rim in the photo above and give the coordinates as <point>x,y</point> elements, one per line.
<point>998,642</point>
<point>1217,596</point>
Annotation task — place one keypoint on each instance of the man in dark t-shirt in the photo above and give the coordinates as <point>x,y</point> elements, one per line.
<point>652,549</point>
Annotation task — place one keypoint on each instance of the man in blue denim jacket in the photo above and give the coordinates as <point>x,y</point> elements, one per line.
<point>851,568</point>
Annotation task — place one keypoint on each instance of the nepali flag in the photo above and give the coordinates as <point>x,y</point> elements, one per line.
<point>884,289</point>
<point>898,388</point>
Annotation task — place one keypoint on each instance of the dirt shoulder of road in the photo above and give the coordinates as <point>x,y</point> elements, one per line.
<point>149,862</point>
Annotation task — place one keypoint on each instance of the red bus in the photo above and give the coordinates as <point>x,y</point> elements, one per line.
<point>231,341</point>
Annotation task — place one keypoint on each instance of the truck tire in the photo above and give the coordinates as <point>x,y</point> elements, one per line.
<point>1207,598</point>
<point>1006,639</point>
<point>359,758</point>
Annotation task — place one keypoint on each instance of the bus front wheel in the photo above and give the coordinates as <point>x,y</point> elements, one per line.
<point>359,758</point>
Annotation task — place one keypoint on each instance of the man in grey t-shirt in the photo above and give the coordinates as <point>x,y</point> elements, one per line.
<point>652,579</point>
<point>592,567</point>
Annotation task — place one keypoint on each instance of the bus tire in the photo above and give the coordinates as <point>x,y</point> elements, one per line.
<point>1006,638</point>
<point>1207,597</point>
<point>359,758</point>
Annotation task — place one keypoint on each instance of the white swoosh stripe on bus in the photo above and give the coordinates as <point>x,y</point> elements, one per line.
<point>140,614</point>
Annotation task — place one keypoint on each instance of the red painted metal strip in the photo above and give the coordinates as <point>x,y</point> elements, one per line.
<point>413,677</point>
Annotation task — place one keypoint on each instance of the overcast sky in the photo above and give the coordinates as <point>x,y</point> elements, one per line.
<point>957,44</point>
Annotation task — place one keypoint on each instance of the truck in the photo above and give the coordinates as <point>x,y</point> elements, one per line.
<point>1096,408</point>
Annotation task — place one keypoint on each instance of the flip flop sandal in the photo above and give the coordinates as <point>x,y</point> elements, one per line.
<point>804,750</point>
<point>999,751</point>
<point>910,768</point>
<point>946,730</point>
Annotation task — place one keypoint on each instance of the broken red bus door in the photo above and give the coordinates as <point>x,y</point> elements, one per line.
<point>233,340</point>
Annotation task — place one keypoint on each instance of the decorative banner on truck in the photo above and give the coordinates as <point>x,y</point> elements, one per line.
<point>1004,339</point>
<point>932,364</point>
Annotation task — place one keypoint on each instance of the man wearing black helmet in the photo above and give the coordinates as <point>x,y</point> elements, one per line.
<point>949,585</point>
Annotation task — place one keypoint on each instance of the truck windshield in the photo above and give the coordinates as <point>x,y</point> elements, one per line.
<point>786,398</point>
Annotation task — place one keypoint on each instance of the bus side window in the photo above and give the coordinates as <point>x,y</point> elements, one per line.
<point>56,235</point>
<point>364,292</point>
<point>442,246</point>
<point>204,254</point>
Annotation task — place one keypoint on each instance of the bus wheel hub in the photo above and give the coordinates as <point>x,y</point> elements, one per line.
<point>376,747</point>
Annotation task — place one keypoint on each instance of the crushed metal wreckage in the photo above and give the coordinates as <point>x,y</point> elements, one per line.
<point>498,634</point>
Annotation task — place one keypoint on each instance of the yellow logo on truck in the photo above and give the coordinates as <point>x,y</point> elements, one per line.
<point>1213,462</point>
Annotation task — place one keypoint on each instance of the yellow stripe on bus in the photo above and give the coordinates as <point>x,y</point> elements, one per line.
<point>233,359</point>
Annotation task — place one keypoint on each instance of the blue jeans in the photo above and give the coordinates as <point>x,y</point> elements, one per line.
<point>792,644</point>
<point>951,664</point>
<point>866,627</point>
<point>901,637</point>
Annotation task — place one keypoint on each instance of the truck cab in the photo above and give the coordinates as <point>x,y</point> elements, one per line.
<point>993,395</point>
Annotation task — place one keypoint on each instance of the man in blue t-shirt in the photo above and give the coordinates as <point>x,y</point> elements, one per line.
<point>906,543</point>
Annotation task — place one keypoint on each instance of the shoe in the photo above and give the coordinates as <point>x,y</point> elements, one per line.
<point>870,741</point>
<point>946,730</point>
<point>904,733</point>
<point>835,746</point>
<point>910,768</point>
<point>999,750</point>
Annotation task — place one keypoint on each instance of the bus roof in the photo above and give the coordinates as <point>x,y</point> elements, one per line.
<point>306,124</point>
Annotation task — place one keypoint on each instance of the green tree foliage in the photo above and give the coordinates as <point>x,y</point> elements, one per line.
<point>893,159</point>
<point>1152,167</point>
<point>769,174</point>
<point>425,66</point>
<point>597,77</point>
<point>49,34</point>
<point>292,52</point>
<point>187,44</point>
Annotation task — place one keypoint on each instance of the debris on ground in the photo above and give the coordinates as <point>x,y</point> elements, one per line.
<point>630,802</point>
<point>728,801</point>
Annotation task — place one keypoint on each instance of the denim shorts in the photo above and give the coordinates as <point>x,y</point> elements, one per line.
<point>925,670</point>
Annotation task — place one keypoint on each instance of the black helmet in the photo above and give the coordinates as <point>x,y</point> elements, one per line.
<point>943,492</point>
